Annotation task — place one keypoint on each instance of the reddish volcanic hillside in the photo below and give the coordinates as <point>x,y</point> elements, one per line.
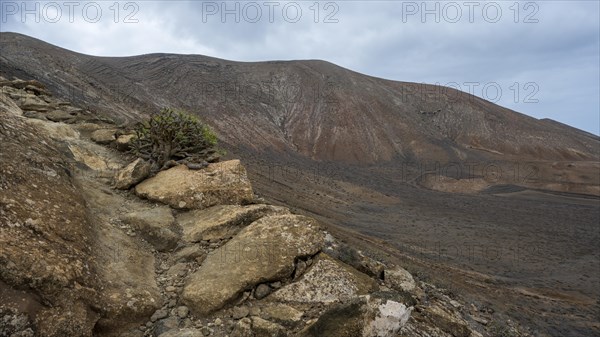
<point>314,108</point>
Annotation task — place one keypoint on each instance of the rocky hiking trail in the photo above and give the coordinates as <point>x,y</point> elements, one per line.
<point>90,246</point>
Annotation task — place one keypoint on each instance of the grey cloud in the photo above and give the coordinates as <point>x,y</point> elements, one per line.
<point>560,53</point>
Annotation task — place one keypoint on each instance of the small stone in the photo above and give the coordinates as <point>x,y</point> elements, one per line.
<point>132,174</point>
<point>218,322</point>
<point>170,289</point>
<point>178,270</point>
<point>124,142</point>
<point>255,311</point>
<point>243,328</point>
<point>159,314</point>
<point>104,136</point>
<point>455,304</point>
<point>262,291</point>
<point>276,285</point>
<point>244,297</point>
<point>300,269</point>
<point>205,331</point>
<point>480,320</point>
<point>165,325</point>
<point>240,312</point>
<point>187,323</point>
<point>172,303</point>
<point>183,311</point>
<point>196,166</point>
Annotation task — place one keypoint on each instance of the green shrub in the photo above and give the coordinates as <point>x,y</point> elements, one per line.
<point>172,135</point>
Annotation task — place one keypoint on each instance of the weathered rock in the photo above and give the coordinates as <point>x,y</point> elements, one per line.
<point>388,315</point>
<point>262,291</point>
<point>34,115</point>
<point>130,292</point>
<point>263,251</point>
<point>170,324</point>
<point>22,84</point>
<point>159,314</point>
<point>243,328</point>
<point>77,321</point>
<point>447,321</point>
<point>57,131</point>
<point>132,174</point>
<point>177,270</point>
<point>282,313</point>
<point>328,280</point>
<point>182,333</point>
<point>123,142</point>
<point>88,158</point>
<point>222,221</point>
<point>36,90</point>
<point>60,116</point>
<point>14,323</point>
<point>183,311</point>
<point>154,226</point>
<point>240,312</point>
<point>371,267</point>
<point>196,166</point>
<point>8,105</point>
<point>375,315</point>
<point>46,235</point>
<point>191,253</point>
<point>206,331</point>
<point>399,279</point>
<point>33,103</point>
<point>181,188</point>
<point>264,328</point>
<point>104,136</point>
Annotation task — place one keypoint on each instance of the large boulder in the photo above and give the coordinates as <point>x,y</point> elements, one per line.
<point>327,281</point>
<point>380,314</point>
<point>132,174</point>
<point>222,221</point>
<point>261,252</point>
<point>156,226</point>
<point>181,188</point>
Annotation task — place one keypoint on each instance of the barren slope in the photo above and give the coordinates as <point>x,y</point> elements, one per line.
<point>314,108</point>
<point>355,151</point>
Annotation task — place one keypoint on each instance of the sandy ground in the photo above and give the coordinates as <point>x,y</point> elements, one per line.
<point>530,255</point>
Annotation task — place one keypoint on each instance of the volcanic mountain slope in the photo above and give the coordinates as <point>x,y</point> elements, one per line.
<point>313,108</point>
<point>355,152</point>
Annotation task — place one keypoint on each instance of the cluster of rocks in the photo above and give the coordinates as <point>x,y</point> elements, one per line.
<point>35,101</point>
<point>184,253</point>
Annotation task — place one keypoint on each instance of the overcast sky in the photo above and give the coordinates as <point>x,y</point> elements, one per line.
<point>539,58</point>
